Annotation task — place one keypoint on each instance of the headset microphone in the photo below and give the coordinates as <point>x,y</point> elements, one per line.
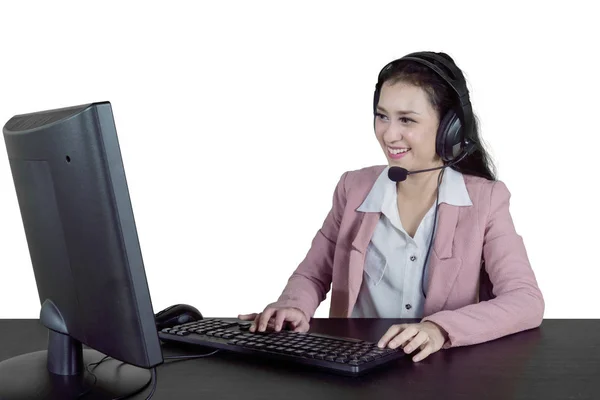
<point>399,174</point>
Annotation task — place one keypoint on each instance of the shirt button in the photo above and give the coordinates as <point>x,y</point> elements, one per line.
<point>413,258</point>
<point>408,306</point>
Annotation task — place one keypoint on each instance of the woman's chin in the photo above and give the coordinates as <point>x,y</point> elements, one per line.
<point>398,163</point>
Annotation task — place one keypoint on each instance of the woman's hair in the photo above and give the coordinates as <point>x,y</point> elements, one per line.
<point>442,98</point>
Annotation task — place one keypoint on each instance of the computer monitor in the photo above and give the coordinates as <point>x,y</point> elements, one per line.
<point>74,201</point>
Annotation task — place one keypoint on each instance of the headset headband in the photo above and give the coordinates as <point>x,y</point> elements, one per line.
<point>453,77</point>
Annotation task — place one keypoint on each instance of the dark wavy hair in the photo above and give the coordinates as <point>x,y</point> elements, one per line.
<point>442,98</point>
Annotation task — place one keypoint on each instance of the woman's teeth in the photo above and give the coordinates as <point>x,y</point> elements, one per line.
<point>397,151</point>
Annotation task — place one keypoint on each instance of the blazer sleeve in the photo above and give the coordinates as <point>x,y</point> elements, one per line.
<point>309,284</point>
<point>518,303</point>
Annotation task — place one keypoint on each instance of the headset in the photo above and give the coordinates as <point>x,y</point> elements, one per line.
<point>454,135</point>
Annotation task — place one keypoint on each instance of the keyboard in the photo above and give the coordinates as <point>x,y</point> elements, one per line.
<point>335,354</point>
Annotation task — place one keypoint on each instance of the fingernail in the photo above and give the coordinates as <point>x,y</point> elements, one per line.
<point>252,327</point>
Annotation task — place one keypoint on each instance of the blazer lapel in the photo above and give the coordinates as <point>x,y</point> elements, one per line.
<point>365,231</point>
<point>443,265</point>
<point>357,255</point>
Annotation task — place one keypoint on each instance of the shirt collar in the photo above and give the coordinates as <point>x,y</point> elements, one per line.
<point>453,191</point>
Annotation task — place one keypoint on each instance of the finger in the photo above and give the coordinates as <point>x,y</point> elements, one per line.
<point>271,324</point>
<point>247,317</point>
<point>301,325</point>
<point>304,326</point>
<point>403,337</point>
<point>295,319</point>
<point>418,340</point>
<point>264,318</point>
<point>391,332</point>
<point>424,353</point>
<point>254,323</point>
<point>279,320</point>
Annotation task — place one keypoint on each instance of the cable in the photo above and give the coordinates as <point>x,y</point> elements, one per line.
<point>92,374</point>
<point>96,363</point>
<point>190,357</point>
<point>437,204</point>
<point>155,380</point>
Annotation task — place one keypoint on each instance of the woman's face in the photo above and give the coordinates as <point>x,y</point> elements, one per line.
<point>406,126</point>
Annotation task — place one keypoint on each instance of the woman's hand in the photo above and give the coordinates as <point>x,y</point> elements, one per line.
<point>272,319</point>
<point>426,336</point>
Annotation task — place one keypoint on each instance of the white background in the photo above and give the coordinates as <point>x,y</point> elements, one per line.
<point>236,120</point>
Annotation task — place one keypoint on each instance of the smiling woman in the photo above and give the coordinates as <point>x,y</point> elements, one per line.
<point>475,283</point>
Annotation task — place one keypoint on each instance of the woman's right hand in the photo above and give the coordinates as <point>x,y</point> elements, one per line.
<point>273,319</point>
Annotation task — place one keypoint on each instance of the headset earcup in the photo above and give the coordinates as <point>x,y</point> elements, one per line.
<point>448,136</point>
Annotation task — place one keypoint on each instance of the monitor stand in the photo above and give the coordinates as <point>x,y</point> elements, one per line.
<point>60,372</point>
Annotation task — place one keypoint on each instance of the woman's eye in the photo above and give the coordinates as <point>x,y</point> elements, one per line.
<point>402,119</point>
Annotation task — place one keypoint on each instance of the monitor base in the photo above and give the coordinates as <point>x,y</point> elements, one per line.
<point>26,377</point>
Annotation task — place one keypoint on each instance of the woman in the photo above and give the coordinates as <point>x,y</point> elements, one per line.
<point>473,282</point>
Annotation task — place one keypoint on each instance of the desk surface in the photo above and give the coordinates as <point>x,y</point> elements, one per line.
<point>559,360</point>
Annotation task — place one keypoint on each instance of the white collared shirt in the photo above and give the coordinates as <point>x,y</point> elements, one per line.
<point>393,273</point>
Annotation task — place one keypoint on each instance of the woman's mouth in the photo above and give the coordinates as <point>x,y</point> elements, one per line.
<point>396,153</point>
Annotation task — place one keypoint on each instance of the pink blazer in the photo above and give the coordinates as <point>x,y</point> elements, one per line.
<point>481,285</point>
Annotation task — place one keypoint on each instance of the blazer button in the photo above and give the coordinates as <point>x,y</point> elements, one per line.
<point>413,258</point>
<point>408,306</point>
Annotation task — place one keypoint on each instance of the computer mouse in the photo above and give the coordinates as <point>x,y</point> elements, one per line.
<point>176,315</point>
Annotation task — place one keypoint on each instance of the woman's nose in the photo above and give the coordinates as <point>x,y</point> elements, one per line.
<point>392,133</point>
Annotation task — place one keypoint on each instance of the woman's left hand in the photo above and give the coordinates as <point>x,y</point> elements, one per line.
<point>427,336</point>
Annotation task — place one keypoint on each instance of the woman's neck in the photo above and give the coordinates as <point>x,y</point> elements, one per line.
<point>419,186</point>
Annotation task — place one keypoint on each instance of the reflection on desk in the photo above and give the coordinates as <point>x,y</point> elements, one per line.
<point>559,360</point>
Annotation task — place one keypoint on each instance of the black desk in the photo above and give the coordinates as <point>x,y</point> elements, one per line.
<point>559,360</point>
